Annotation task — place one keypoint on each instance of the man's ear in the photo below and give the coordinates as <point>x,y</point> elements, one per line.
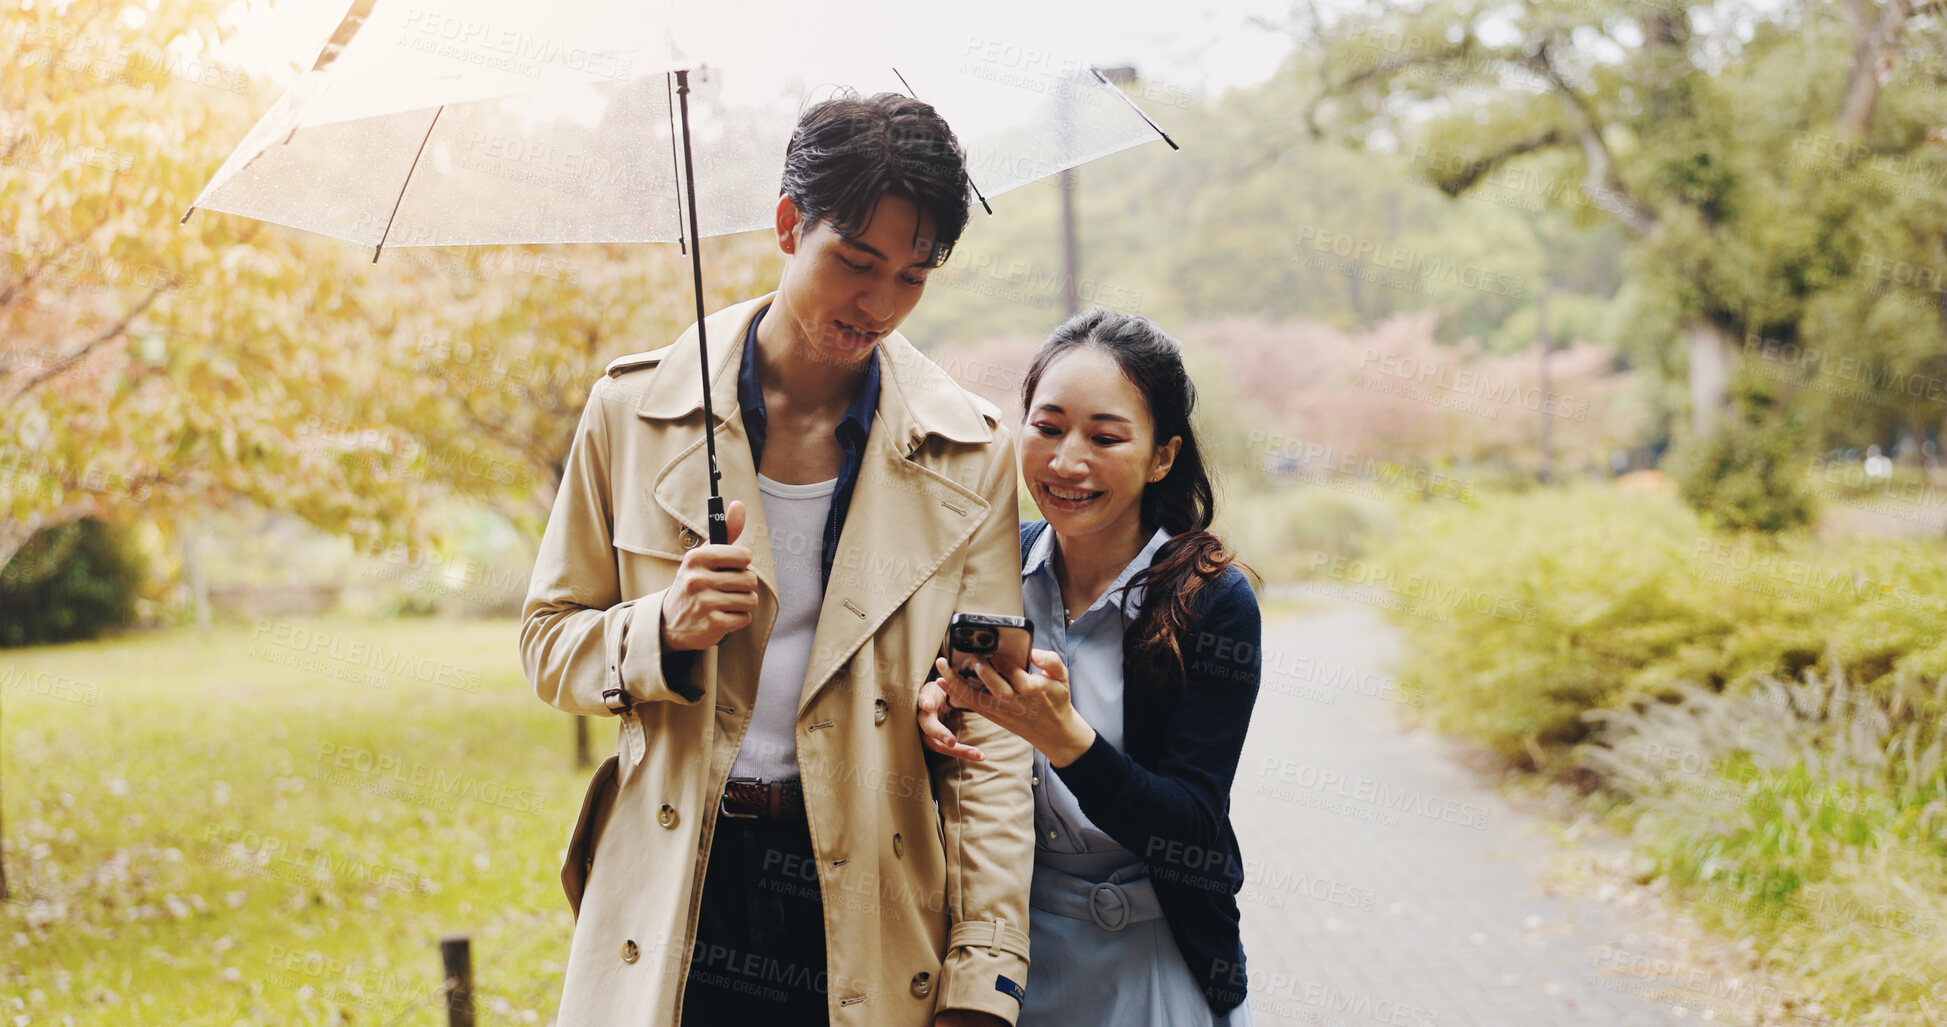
<point>788,224</point>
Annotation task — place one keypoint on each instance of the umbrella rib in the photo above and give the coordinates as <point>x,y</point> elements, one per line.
<point>1104,79</point>
<point>970,181</point>
<point>403,186</point>
<point>675,172</point>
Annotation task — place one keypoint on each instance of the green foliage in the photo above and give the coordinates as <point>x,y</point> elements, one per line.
<point>1809,814</point>
<point>1747,475</point>
<point>1746,190</point>
<point>1539,607</point>
<point>1254,218</point>
<point>69,582</point>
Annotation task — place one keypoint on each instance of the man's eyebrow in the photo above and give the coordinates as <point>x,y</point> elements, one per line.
<point>857,245</point>
<point>1050,407</point>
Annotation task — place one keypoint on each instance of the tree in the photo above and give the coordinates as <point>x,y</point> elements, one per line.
<point>1774,169</point>
<point>152,367</point>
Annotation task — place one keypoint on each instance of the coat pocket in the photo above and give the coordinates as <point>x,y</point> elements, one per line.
<point>595,808</point>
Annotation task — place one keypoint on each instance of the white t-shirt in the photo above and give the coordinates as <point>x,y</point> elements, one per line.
<point>795,517</point>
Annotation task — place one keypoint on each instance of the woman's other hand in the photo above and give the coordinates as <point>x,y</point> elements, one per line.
<point>934,708</point>
<point>1032,702</point>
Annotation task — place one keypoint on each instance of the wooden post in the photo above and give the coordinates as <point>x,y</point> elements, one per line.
<point>453,951</point>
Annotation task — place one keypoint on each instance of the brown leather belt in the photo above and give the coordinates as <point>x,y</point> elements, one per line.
<point>751,799</point>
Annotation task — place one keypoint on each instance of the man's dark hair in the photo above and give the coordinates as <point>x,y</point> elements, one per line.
<point>848,152</point>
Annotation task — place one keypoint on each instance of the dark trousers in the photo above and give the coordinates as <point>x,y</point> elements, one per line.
<point>759,956</point>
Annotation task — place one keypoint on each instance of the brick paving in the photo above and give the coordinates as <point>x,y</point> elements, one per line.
<point>1386,884</point>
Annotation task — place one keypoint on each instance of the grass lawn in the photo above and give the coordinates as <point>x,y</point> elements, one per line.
<point>276,825</point>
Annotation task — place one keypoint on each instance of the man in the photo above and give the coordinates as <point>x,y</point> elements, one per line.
<point>775,847</point>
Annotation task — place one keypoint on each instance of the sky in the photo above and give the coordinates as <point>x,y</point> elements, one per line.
<point>1202,49</point>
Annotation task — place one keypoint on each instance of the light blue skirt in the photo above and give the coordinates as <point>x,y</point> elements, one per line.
<point>1102,954</point>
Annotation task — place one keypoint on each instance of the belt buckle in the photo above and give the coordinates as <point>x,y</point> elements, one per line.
<point>1114,890</point>
<point>725,794</point>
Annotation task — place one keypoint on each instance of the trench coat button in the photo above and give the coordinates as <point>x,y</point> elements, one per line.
<point>666,816</point>
<point>898,847</point>
<point>922,984</point>
<point>691,539</point>
<point>629,951</point>
<point>880,711</point>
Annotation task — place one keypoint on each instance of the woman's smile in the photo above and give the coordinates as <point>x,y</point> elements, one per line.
<point>1068,499</point>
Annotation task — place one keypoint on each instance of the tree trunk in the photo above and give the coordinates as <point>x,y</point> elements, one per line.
<point>1713,356</point>
<point>1876,33</point>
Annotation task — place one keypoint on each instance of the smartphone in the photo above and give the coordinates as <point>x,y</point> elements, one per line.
<point>984,634</point>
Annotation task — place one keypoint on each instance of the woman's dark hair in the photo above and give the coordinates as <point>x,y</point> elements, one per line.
<point>1183,502</point>
<point>848,152</point>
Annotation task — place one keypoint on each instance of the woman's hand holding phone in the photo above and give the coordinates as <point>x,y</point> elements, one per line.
<point>1032,702</point>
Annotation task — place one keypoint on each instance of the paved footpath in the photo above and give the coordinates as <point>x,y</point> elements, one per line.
<point>1386,884</point>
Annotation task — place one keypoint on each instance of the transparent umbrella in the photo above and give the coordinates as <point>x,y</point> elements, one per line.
<point>509,121</point>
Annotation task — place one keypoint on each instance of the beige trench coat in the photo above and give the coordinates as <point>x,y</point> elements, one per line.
<point>923,864</point>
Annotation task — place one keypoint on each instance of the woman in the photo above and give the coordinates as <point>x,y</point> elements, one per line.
<point>1145,668</point>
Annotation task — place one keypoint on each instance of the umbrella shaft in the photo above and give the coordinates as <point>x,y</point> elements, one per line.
<point>719,523</point>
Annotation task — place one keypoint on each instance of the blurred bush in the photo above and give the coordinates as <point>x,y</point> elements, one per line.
<point>1747,475</point>
<point>1538,607</point>
<point>69,582</point>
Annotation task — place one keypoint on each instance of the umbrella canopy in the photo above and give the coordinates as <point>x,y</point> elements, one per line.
<point>516,122</point>
<point>510,121</point>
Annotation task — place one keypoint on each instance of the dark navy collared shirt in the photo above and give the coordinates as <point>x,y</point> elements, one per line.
<point>851,432</point>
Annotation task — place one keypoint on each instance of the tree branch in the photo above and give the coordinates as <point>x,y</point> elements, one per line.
<point>1380,70</point>
<point>1602,187</point>
<point>1465,180</point>
<point>113,331</point>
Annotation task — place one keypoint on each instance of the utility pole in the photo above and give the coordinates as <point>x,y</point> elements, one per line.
<point>1071,258</point>
<point>1546,346</point>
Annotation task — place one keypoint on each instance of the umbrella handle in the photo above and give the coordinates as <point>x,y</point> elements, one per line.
<point>719,522</point>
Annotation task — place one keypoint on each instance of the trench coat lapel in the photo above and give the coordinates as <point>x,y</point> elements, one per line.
<point>906,518</point>
<point>682,486</point>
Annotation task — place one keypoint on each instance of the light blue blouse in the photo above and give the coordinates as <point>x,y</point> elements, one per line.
<point>1091,648</point>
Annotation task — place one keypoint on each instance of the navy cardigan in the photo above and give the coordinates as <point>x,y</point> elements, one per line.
<point>1167,799</point>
